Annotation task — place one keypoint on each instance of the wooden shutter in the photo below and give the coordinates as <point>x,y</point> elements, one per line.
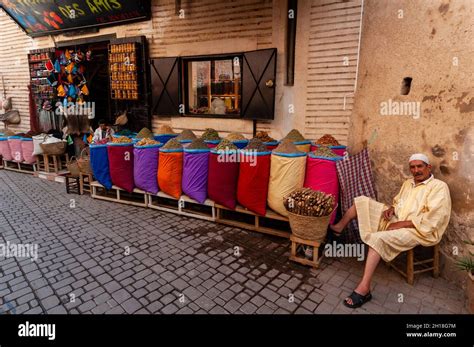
<point>165,77</point>
<point>258,84</point>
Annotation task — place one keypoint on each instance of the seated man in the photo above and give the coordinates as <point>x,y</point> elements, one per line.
<point>102,132</point>
<point>419,215</point>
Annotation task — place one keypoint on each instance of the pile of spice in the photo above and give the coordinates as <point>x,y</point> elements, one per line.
<point>226,145</point>
<point>308,202</point>
<point>256,145</point>
<point>210,134</point>
<point>147,142</point>
<point>324,151</point>
<point>286,146</point>
<point>165,129</point>
<point>145,133</point>
<point>235,137</point>
<point>295,136</point>
<point>186,134</point>
<point>121,139</point>
<point>327,140</point>
<point>172,144</point>
<point>197,144</point>
<point>264,137</point>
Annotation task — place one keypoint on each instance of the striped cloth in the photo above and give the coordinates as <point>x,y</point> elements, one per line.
<point>356,179</point>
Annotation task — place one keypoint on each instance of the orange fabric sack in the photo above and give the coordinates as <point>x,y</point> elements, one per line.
<point>170,171</point>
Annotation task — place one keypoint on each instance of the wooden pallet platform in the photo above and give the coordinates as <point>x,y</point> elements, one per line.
<point>184,206</point>
<point>136,198</point>
<point>19,167</point>
<point>272,223</point>
<point>51,176</point>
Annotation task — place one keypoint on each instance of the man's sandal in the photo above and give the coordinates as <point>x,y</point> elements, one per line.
<point>357,299</point>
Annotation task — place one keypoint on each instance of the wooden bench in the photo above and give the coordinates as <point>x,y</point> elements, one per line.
<point>416,263</point>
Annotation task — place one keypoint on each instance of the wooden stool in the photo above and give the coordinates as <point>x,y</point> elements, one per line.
<point>85,181</point>
<point>72,184</point>
<point>415,266</point>
<point>52,163</point>
<point>295,242</point>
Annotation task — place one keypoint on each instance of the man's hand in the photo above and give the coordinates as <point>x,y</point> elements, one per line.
<point>388,214</point>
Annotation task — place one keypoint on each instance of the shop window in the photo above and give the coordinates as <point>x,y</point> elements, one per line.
<point>213,86</point>
<point>236,85</point>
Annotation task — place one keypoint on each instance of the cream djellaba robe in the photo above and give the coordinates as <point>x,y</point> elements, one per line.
<point>427,205</point>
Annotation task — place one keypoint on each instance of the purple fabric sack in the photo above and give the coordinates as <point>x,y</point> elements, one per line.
<point>145,167</point>
<point>195,170</point>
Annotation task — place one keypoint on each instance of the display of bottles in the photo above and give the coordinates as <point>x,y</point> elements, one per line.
<point>123,71</point>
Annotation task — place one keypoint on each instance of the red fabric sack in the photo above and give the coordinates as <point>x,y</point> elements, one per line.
<point>121,165</point>
<point>252,186</point>
<point>222,179</point>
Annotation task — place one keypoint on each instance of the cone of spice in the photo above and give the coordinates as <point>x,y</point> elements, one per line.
<point>172,144</point>
<point>226,145</point>
<point>295,136</point>
<point>324,151</point>
<point>186,135</point>
<point>286,146</point>
<point>165,129</point>
<point>145,133</point>
<point>235,137</point>
<point>197,144</point>
<point>210,134</point>
<point>256,145</point>
<point>264,137</point>
<point>327,140</point>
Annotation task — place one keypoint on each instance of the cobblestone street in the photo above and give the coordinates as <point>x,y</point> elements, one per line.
<point>101,257</point>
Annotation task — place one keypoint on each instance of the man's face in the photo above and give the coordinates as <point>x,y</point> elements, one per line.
<point>420,170</point>
<point>103,126</point>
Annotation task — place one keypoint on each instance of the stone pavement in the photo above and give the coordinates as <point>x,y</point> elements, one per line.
<point>103,257</point>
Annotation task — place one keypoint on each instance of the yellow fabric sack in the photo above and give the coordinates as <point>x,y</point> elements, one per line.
<point>287,173</point>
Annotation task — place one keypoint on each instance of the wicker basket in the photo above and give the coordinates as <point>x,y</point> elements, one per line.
<point>73,167</point>
<point>309,228</point>
<point>55,148</point>
<point>84,162</point>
